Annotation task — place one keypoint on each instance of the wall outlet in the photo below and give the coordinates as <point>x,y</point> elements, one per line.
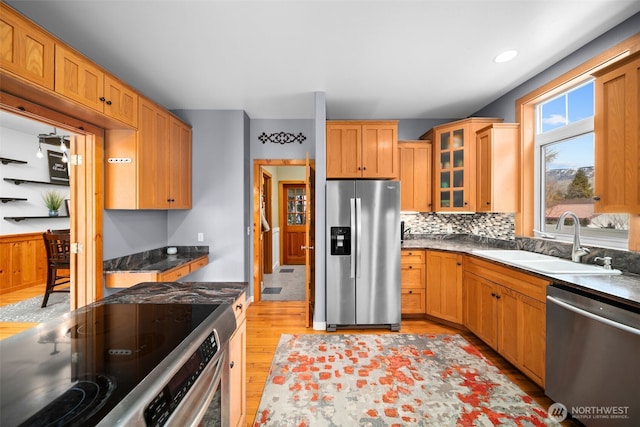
<point>200,237</point>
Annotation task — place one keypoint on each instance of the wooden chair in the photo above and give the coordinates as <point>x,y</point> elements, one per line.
<point>57,246</point>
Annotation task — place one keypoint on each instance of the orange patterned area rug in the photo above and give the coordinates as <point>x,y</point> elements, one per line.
<point>390,380</point>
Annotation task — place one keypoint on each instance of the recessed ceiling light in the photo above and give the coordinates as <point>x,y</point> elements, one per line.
<point>505,56</point>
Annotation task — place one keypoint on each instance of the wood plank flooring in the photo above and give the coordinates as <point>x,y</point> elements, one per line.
<point>8,329</point>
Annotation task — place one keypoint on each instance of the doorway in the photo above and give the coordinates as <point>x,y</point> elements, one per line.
<point>287,279</point>
<point>85,194</point>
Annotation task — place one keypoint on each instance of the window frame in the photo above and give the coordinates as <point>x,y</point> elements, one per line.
<point>525,116</point>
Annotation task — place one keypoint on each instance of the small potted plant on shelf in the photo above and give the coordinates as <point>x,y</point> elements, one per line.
<point>53,200</point>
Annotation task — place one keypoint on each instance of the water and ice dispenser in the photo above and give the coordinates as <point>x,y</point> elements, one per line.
<point>340,240</point>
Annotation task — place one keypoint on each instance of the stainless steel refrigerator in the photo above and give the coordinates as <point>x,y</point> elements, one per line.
<point>363,254</point>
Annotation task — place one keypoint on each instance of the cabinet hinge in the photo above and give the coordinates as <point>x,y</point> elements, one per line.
<point>76,248</point>
<point>76,159</point>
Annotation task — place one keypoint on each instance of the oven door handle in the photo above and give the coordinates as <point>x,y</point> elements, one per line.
<point>216,381</point>
<point>592,316</point>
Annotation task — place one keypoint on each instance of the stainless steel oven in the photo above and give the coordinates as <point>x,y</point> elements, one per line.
<point>592,357</point>
<point>120,365</point>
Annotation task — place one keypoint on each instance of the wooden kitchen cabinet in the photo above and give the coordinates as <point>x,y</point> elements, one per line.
<point>23,261</point>
<point>412,279</point>
<point>444,285</point>
<point>617,132</point>
<point>498,168</point>
<point>362,149</point>
<point>237,366</point>
<point>149,168</point>
<point>180,160</point>
<point>507,310</point>
<point>454,166</point>
<point>415,175</point>
<point>127,279</point>
<point>81,80</point>
<point>27,51</point>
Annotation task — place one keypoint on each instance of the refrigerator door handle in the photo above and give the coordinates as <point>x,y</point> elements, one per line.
<point>358,235</point>
<point>352,264</point>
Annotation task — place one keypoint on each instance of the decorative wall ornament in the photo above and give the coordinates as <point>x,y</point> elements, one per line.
<point>282,138</point>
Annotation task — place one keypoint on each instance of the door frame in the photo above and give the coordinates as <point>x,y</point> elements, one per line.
<point>267,255</point>
<point>86,195</point>
<point>258,256</point>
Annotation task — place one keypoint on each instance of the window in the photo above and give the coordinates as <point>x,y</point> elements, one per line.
<point>564,161</point>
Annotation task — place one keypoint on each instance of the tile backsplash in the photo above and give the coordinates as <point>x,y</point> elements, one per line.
<point>494,225</point>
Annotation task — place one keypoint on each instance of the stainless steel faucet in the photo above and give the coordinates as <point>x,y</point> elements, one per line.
<point>577,252</point>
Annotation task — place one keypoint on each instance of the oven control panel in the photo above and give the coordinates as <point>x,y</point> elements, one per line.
<point>162,406</point>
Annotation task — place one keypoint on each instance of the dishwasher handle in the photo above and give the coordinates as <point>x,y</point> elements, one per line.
<point>592,316</point>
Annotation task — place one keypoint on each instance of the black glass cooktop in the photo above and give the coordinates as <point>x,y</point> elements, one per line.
<point>73,371</point>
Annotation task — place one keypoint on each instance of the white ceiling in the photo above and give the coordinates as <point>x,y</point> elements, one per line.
<point>373,59</point>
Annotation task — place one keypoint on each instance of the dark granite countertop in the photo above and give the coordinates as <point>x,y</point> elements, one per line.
<point>178,293</point>
<point>624,288</point>
<point>155,260</point>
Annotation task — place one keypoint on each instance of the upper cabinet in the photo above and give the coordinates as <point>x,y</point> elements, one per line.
<point>617,132</point>
<point>156,157</point>
<point>455,164</point>
<point>84,82</point>
<point>25,50</point>
<point>415,175</point>
<point>498,168</point>
<point>362,149</point>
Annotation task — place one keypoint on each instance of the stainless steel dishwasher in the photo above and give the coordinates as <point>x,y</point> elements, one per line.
<point>593,357</point>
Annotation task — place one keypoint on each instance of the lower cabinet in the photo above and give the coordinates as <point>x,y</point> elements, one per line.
<point>444,285</point>
<point>506,309</point>
<point>412,274</point>
<point>237,366</point>
<point>127,279</point>
<point>23,261</point>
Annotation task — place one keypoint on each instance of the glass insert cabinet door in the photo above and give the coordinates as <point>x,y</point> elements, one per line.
<point>451,147</point>
<point>296,206</point>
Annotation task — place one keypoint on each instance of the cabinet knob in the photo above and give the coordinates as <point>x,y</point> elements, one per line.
<point>459,263</point>
<point>410,292</point>
<point>232,364</point>
<point>493,294</point>
<point>239,307</point>
<point>410,267</point>
<point>488,203</point>
<point>109,102</point>
<point>102,99</point>
<point>596,198</point>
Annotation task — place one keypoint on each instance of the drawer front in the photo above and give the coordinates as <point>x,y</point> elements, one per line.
<point>412,276</point>
<point>412,256</point>
<point>240,308</point>
<point>199,263</point>
<point>413,301</point>
<point>175,274</point>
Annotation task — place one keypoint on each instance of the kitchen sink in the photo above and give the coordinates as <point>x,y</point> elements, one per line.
<point>541,263</point>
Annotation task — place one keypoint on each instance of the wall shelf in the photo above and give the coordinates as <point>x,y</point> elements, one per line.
<point>18,181</point>
<point>6,161</point>
<point>25,218</point>
<point>12,199</point>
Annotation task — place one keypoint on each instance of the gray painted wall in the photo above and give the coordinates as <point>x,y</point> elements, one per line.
<point>128,232</point>
<point>218,194</point>
<point>505,106</point>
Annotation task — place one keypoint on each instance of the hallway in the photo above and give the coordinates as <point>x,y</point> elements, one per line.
<point>285,284</point>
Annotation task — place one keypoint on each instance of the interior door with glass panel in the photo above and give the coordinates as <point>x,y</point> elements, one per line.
<point>310,238</point>
<point>294,220</point>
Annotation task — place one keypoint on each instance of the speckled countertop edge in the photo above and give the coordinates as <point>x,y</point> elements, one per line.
<point>154,260</point>
<point>624,288</point>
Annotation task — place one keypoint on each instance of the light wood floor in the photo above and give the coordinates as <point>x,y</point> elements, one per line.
<point>266,321</point>
<point>11,328</point>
